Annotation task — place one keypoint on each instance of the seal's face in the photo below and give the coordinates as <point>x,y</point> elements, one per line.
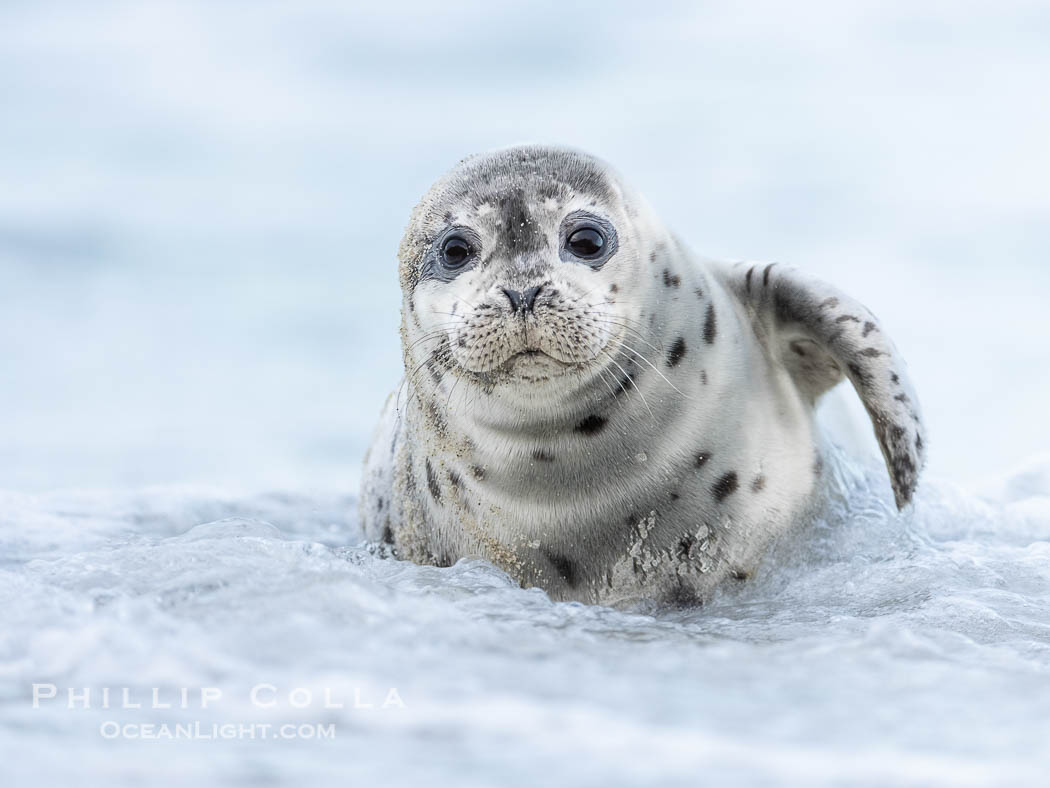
<point>520,286</point>
<point>518,266</point>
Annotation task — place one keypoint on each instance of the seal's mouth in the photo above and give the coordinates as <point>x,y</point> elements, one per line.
<point>527,363</point>
<point>562,341</point>
<point>533,354</point>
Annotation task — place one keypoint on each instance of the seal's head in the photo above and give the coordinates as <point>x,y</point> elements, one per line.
<point>521,266</point>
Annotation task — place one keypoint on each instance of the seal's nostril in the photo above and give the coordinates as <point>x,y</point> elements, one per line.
<point>514,297</point>
<point>522,301</point>
<point>529,297</point>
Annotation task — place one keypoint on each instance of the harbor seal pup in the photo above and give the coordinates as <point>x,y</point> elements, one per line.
<point>595,409</point>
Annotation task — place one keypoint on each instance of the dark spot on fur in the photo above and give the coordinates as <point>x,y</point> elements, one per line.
<point>432,482</point>
<point>564,566</point>
<point>462,341</point>
<point>918,443</point>
<point>725,486</point>
<point>897,433</point>
<point>765,275</point>
<point>747,279</point>
<point>818,465</point>
<point>675,496</point>
<point>710,325</point>
<point>902,397</point>
<point>904,476</point>
<point>519,233</point>
<point>684,548</point>
<point>591,425</point>
<point>702,458</point>
<point>676,353</point>
<point>443,561</point>
<point>829,303</point>
<point>435,416</point>
<point>671,280</point>
<point>652,256</point>
<point>759,483</point>
<point>542,455</point>
<point>703,376</point>
<point>380,502</point>
<point>871,352</point>
<point>454,478</point>
<point>783,310</point>
<point>699,293</point>
<point>859,374</point>
<point>388,535</point>
<point>868,328</point>
<point>478,472</point>
<point>435,373</point>
<point>548,190</point>
<point>682,596</point>
<point>844,318</point>
<point>614,288</point>
<point>895,378</point>
<point>739,574</point>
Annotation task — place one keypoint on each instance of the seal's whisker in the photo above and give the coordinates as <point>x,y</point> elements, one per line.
<point>452,388</point>
<point>601,374</point>
<point>631,379</point>
<point>473,344</point>
<point>626,327</point>
<point>465,301</point>
<point>459,318</point>
<point>623,344</point>
<point>431,356</point>
<point>436,334</point>
<point>623,321</point>
<point>584,295</point>
<point>630,349</point>
<point>613,315</point>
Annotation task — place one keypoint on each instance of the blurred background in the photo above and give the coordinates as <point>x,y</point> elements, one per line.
<point>201,202</point>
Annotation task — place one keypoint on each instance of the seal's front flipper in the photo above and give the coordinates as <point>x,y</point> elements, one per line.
<point>820,334</point>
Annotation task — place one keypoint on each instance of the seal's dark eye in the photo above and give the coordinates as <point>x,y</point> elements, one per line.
<point>456,251</point>
<point>586,242</point>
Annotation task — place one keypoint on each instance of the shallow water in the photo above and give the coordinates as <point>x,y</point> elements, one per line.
<point>872,648</point>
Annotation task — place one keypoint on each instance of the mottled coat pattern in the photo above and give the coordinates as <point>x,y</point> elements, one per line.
<point>638,428</point>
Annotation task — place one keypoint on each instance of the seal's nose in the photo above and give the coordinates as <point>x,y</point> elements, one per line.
<point>523,301</point>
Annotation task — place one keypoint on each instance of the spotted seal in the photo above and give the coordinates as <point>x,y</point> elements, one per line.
<point>595,409</point>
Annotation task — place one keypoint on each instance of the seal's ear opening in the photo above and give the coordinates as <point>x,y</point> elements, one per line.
<point>821,335</point>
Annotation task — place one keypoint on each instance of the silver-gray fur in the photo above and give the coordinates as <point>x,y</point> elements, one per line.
<point>644,428</point>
